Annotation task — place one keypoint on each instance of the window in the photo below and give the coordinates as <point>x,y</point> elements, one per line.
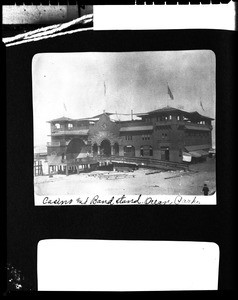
<point>164,135</point>
<point>57,125</point>
<point>170,117</point>
<point>70,126</point>
<point>180,152</point>
<point>145,137</point>
<point>128,137</point>
<point>178,118</point>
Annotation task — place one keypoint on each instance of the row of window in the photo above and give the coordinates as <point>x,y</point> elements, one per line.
<point>161,118</point>
<point>128,137</point>
<point>196,134</point>
<point>145,137</point>
<point>70,125</point>
<point>58,125</point>
<point>169,118</point>
<point>164,135</point>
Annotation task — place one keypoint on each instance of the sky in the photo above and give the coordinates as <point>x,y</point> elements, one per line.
<point>80,85</point>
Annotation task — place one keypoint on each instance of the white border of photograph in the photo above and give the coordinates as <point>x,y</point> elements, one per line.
<point>112,265</point>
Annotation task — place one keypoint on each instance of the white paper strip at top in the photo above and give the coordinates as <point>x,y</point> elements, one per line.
<point>124,17</point>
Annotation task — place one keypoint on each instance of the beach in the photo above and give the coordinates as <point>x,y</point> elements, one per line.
<point>141,181</point>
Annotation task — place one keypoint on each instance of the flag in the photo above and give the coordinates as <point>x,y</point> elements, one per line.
<point>65,107</point>
<point>201,105</point>
<point>170,94</point>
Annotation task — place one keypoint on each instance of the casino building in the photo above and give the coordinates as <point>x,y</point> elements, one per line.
<point>166,134</point>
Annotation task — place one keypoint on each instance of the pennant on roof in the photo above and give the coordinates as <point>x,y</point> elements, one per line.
<point>201,105</point>
<point>170,94</point>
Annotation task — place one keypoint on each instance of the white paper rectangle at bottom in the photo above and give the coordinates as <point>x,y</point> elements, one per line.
<point>118,265</point>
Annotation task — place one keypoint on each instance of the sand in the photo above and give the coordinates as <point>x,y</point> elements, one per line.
<point>141,181</point>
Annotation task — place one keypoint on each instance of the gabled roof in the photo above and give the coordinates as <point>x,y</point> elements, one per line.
<point>198,115</point>
<point>197,147</point>
<point>164,109</point>
<point>62,119</point>
<point>105,113</point>
<point>169,109</point>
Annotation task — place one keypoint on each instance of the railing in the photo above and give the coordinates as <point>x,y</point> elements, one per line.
<point>70,132</point>
<point>140,161</point>
<point>145,161</point>
<point>57,144</point>
<point>182,122</point>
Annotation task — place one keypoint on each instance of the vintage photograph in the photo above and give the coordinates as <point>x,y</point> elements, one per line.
<point>124,123</point>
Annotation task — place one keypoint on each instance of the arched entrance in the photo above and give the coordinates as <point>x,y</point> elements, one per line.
<point>116,149</point>
<point>74,148</point>
<point>105,148</point>
<point>146,150</point>
<point>129,151</point>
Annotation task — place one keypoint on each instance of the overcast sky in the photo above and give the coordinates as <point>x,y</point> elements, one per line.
<point>79,85</point>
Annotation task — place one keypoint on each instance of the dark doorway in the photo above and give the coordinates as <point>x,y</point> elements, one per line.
<point>146,150</point>
<point>116,149</point>
<point>141,151</point>
<point>165,154</point>
<point>129,151</point>
<point>95,149</point>
<point>105,148</point>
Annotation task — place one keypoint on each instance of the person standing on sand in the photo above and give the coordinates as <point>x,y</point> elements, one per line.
<point>205,189</point>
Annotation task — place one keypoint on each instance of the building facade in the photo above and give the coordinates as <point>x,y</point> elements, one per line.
<point>166,134</point>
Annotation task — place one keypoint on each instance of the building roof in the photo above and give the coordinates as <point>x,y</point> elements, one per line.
<point>164,109</point>
<point>66,119</point>
<point>191,127</point>
<point>136,128</point>
<point>197,147</point>
<point>62,119</point>
<point>105,113</point>
<point>85,119</point>
<point>197,115</point>
<point>169,109</point>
